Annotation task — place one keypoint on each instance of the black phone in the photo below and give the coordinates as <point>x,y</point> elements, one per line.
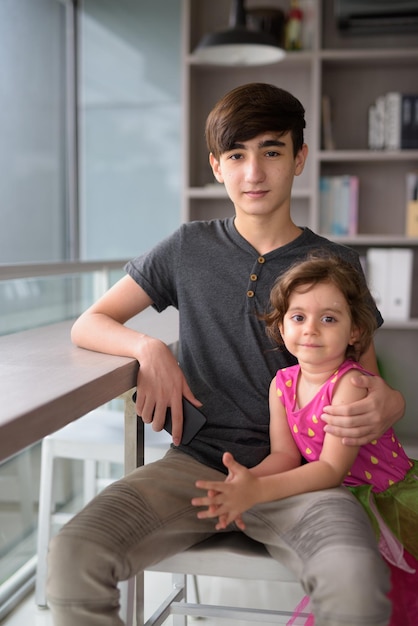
<point>193,420</point>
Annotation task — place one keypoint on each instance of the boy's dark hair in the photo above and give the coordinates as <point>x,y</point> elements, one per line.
<point>252,109</point>
<point>321,267</point>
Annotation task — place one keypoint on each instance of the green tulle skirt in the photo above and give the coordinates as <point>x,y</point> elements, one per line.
<point>394,510</point>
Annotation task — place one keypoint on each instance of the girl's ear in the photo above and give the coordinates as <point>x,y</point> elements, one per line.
<point>216,168</point>
<point>354,337</point>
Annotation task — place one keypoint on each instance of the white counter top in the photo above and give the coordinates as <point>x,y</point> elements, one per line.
<point>46,382</point>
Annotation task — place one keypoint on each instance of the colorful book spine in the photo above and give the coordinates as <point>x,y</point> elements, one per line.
<point>411,229</point>
<point>339,205</point>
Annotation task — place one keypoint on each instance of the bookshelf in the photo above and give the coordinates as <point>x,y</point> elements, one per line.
<point>352,70</point>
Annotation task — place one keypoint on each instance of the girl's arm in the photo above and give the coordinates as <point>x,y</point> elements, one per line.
<point>242,489</point>
<point>284,453</point>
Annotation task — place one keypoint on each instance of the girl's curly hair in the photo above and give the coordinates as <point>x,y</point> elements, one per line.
<point>320,267</point>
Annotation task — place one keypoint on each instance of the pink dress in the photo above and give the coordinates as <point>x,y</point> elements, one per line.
<point>382,478</point>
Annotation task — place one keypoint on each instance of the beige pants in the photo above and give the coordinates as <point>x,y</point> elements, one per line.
<point>324,537</point>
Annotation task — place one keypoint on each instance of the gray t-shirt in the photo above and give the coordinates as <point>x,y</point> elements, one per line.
<point>219,284</point>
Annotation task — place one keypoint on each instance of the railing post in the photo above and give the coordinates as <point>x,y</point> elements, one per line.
<point>134,457</point>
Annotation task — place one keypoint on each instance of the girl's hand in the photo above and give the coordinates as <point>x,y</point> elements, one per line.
<point>228,499</point>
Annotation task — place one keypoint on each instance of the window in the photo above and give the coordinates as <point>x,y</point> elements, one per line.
<point>88,167</point>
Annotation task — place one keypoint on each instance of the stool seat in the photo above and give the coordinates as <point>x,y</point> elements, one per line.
<point>227,554</point>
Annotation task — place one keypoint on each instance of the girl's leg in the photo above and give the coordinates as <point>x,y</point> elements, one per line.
<point>326,539</point>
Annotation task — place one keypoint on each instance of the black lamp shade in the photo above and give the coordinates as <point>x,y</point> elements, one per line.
<point>239,45</point>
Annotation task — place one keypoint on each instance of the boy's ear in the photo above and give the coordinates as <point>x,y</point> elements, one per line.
<point>216,168</point>
<point>301,159</point>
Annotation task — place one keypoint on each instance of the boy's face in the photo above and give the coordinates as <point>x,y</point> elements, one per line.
<point>258,173</point>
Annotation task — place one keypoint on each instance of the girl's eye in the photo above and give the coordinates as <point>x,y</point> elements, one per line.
<point>328,319</point>
<point>297,317</point>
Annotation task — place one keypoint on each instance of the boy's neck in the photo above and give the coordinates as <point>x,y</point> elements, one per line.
<point>266,234</point>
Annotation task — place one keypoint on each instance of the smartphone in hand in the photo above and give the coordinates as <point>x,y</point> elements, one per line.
<point>193,420</point>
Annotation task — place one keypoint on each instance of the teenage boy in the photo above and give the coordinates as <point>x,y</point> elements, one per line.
<point>218,274</point>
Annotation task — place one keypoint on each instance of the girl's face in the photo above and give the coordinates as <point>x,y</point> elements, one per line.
<point>317,326</point>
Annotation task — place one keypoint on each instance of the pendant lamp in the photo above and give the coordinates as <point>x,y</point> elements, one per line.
<point>239,45</point>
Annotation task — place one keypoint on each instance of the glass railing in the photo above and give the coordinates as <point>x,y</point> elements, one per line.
<point>32,296</point>
<point>36,295</point>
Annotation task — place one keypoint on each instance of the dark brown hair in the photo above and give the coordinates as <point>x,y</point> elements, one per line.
<point>252,109</point>
<point>322,267</point>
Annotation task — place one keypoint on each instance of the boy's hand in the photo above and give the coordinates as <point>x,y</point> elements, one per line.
<point>161,384</point>
<point>367,419</point>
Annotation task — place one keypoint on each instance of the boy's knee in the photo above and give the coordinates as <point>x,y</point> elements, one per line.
<point>78,568</point>
<point>67,559</point>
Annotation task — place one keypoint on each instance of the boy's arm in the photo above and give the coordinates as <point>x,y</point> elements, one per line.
<point>161,382</point>
<point>242,489</point>
<point>362,421</point>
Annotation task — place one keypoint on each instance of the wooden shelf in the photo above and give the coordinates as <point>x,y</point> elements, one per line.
<point>368,155</point>
<point>353,71</point>
<point>384,56</point>
<point>375,240</point>
<point>411,324</point>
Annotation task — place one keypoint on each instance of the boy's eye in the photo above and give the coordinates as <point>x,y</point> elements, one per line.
<point>235,156</point>
<point>272,153</point>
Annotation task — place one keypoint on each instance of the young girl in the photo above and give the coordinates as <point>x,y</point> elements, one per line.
<point>322,316</point>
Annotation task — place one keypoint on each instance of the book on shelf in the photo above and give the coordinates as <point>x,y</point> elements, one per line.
<point>411,229</point>
<point>328,142</point>
<point>389,276</point>
<point>338,197</point>
<point>393,122</point>
<point>401,121</point>
<point>376,128</point>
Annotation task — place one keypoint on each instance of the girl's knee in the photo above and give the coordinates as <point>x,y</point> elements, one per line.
<point>349,586</point>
